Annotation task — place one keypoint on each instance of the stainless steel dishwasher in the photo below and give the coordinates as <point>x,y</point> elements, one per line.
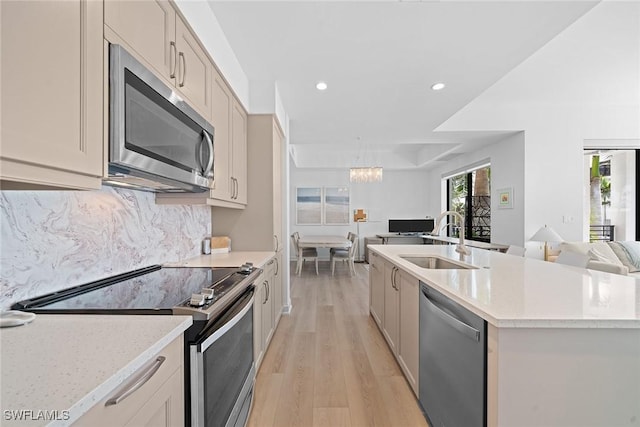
<point>453,362</point>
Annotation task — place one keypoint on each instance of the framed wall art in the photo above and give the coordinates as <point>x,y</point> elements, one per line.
<point>505,198</point>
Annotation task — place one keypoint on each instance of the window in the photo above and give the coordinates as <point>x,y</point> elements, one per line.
<point>469,194</point>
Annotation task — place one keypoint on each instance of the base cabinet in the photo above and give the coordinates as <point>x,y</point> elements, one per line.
<point>390,328</point>
<point>376,286</point>
<point>157,402</point>
<point>267,307</point>
<point>394,305</point>
<point>409,322</point>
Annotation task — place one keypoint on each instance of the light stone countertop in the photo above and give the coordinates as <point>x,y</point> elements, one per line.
<point>231,259</point>
<point>69,363</point>
<point>511,291</point>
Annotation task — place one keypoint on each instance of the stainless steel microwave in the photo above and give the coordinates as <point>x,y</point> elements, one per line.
<point>157,142</point>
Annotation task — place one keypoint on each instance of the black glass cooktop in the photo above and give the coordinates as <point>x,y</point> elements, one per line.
<point>151,288</point>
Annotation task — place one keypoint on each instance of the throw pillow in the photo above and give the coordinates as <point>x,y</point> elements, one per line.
<point>628,253</point>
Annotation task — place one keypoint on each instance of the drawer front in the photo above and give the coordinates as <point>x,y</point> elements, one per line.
<point>126,409</point>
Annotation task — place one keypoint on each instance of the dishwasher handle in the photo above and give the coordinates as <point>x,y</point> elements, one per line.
<point>460,326</point>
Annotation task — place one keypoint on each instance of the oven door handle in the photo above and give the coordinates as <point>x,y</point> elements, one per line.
<point>233,315</point>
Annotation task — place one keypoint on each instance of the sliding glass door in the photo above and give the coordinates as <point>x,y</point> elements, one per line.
<point>469,194</point>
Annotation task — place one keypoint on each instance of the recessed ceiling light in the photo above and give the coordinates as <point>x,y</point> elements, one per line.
<point>321,86</point>
<point>438,86</point>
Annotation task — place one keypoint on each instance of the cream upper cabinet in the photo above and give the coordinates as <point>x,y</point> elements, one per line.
<point>157,35</point>
<point>193,74</point>
<point>221,100</point>
<point>155,40</point>
<point>51,84</point>
<point>239,152</point>
<point>258,227</point>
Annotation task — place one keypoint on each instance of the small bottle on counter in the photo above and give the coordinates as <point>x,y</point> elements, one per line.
<point>206,246</point>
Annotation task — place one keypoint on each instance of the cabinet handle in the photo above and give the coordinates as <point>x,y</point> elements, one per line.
<point>207,169</point>
<point>275,236</point>
<point>137,382</point>
<point>268,290</point>
<point>184,68</point>
<point>394,271</point>
<point>172,46</point>
<point>266,293</point>
<point>237,190</point>
<point>277,266</point>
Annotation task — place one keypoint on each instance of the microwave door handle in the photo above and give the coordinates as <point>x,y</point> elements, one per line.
<point>209,167</point>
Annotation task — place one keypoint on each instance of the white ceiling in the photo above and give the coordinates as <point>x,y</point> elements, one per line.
<point>379,59</point>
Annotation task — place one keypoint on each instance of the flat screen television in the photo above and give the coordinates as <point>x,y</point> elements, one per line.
<point>410,225</point>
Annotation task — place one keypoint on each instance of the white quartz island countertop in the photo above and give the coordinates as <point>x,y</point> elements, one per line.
<point>231,259</point>
<point>66,364</point>
<point>517,292</point>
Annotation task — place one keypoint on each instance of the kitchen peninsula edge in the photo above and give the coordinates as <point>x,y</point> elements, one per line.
<point>563,343</point>
<point>68,364</point>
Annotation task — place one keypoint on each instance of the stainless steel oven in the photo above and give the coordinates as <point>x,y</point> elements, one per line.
<point>219,365</point>
<point>222,368</point>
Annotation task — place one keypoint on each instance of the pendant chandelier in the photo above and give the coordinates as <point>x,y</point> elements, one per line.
<point>363,174</point>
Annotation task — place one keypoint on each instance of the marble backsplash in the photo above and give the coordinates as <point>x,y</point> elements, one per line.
<point>52,240</point>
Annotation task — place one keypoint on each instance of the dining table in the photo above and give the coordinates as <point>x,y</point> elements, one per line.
<point>324,241</point>
<point>320,241</point>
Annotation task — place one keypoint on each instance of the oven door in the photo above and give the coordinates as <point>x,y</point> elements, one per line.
<point>222,368</point>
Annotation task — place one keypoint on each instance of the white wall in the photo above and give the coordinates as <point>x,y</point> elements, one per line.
<point>204,23</point>
<point>401,194</point>
<point>584,84</point>
<point>507,170</point>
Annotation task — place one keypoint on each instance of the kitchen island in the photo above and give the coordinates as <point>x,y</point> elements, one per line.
<point>563,343</point>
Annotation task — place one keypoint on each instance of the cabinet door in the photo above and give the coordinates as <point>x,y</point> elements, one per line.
<point>158,401</point>
<point>149,28</point>
<point>390,330</point>
<point>221,100</point>
<point>276,290</point>
<point>408,346</point>
<point>267,312</point>
<point>260,295</point>
<point>239,144</point>
<point>193,75</point>
<point>166,406</point>
<point>51,84</point>
<point>376,288</point>
<point>278,140</point>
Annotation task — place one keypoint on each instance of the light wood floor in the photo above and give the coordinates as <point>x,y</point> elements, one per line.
<point>328,364</point>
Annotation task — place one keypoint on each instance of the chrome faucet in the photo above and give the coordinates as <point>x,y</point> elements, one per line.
<point>460,247</point>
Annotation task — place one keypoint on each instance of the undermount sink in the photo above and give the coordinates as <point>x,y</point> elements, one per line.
<point>435,263</point>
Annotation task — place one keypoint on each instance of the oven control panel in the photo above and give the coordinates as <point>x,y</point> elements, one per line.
<point>210,301</point>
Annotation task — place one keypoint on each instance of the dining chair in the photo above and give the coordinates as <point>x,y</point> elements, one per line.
<point>516,250</point>
<point>573,258</point>
<point>303,253</point>
<point>345,255</point>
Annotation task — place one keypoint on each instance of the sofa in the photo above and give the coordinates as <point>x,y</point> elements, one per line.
<point>612,257</point>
